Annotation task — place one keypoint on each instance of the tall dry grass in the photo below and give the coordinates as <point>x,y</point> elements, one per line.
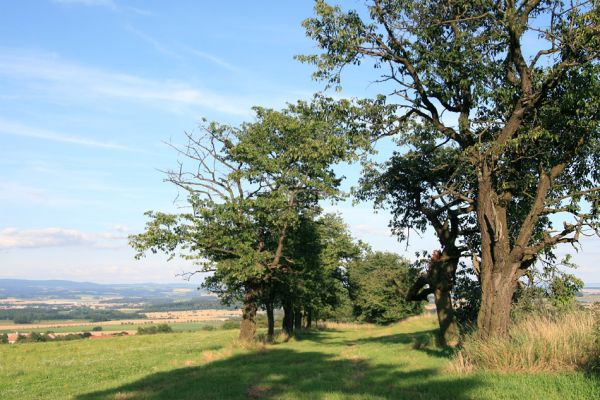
<point>536,343</point>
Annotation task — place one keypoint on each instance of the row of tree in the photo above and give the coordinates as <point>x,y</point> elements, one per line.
<point>255,221</point>
<point>497,143</point>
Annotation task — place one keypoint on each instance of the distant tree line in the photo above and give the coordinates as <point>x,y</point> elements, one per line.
<point>31,314</point>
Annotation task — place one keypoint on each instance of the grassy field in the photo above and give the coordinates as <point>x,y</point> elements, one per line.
<point>177,327</point>
<point>348,362</point>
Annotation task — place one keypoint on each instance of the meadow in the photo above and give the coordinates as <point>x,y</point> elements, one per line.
<point>340,362</point>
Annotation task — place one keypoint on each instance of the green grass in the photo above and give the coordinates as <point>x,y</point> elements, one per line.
<point>350,363</point>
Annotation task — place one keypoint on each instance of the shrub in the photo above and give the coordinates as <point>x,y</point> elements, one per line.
<point>3,338</point>
<point>97,329</point>
<point>164,328</point>
<point>536,343</point>
<point>154,329</point>
<point>208,328</point>
<point>231,324</point>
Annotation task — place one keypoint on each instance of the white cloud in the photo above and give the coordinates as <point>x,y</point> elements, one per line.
<point>18,129</point>
<point>71,80</point>
<point>14,238</point>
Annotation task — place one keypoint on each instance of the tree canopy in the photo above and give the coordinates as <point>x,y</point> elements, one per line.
<point>508,134</point>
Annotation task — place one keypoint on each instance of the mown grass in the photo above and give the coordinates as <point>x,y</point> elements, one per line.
<point>349,362</point>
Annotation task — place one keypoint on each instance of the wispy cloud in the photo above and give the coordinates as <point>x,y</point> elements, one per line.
<point>212,58</point>
<point>168,50</point>
<point>69,79</point>
<point>13,238</point>
<point>88,3</point>
<point>18,129</point>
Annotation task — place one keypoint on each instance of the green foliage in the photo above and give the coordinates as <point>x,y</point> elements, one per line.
<point>255,220</point>
<point>467,297</point>
<point>231,324</point>
<point>3,338</point>
<point>30,315</point>
<point>154,329</point>
<point>97,329</point>
<point>378,286</point>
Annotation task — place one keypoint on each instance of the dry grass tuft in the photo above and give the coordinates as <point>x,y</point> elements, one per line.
<point>537,343</point>
<point>345,326</point>
<point>259,391</point>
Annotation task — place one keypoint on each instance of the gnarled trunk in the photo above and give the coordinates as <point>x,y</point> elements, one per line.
<point>248,325</point>
<point>499,274</point>
<point>448,333</point>
<point>439,280</point>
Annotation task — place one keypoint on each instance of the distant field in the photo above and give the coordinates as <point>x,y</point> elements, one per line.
<point>177,326</point>
<point>350,362</point>
<point>179,319</point>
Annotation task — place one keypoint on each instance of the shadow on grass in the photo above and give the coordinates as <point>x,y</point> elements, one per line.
<point>421,341</point>
<point>277,372</point>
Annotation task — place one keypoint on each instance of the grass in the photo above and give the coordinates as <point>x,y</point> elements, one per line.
<point>536,343</point>
<point>339,362</point>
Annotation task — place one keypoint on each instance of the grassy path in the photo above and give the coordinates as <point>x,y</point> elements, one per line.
<point>349,363</point>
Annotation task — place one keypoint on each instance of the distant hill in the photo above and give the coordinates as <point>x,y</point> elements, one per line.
<point>28,289</point>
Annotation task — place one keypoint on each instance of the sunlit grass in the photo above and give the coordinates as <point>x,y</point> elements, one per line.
<point>333,363</point>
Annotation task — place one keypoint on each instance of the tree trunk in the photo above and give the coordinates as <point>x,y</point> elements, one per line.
<point>448,333</point>
<point>440,280</point>
<point>288,318</point>
<point>499,275</point>
<point>496,299</point>
<point>308,319</point>
<point>270,319</point>
<point>297,319</point>
<point>248,325</point>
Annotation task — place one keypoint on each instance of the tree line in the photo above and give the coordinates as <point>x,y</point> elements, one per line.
<point>497,144</point>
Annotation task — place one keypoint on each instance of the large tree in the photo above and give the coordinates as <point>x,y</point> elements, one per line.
<point>513,87</point>
<point>248,188</point>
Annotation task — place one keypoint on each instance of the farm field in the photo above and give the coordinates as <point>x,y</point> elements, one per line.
<point>343,362</point>
<point>83,327</point>
<point>180,320</point>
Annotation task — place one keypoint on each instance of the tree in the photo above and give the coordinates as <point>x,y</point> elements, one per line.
<point>525,122</point>
<point>379,283</point>
<point>248,188</point>
<point>409,184</point>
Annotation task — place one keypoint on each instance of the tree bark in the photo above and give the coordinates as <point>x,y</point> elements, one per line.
<point>248,325</point>
<point>270,319</point>
<point>288,318</point>
<point>297,319</point>
<point>308,319</point>
<point>499,274</point>
<point>440,280</point>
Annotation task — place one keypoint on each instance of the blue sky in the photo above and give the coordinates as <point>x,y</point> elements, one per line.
<point>91,89</point>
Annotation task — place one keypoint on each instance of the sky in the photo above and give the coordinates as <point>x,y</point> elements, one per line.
<point>90,91</point>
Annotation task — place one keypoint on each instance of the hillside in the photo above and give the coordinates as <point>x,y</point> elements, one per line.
<point>36,289</point>
<point>349,362</point>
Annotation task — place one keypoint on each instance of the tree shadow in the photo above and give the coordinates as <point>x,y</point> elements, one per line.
<point>276,372</point>
<point>420,340</point>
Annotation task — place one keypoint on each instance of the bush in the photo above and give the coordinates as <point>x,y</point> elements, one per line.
<point>3,338</point>
<point>560,342</point>
<point>97,329</point>
<point>231,324</point>
<point>154,329</point>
